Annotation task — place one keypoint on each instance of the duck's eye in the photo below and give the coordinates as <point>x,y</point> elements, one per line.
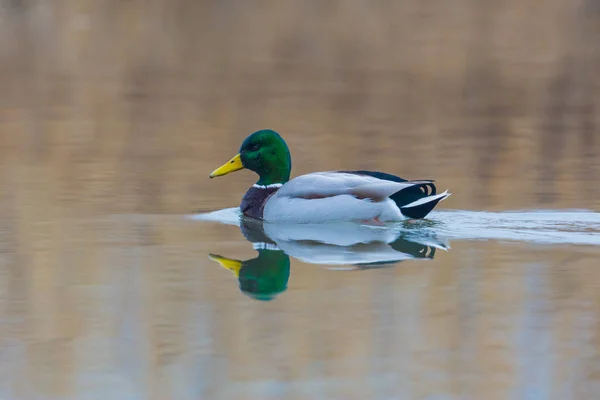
<point>255,147</point>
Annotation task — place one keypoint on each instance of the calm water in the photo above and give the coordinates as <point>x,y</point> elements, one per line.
<point>125,273</point>
<point>468,303</point>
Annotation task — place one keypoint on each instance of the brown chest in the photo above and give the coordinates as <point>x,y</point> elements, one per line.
<point>253,202</point>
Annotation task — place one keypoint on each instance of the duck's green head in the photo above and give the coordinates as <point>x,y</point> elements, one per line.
<point>264,152</point>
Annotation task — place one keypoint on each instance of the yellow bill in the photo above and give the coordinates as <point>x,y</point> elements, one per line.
<point>235,164</point>
<point>232,265</point>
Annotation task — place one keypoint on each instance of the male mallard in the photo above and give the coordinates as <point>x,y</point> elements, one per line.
<point>323,196</point>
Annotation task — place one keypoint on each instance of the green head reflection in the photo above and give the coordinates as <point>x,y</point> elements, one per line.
<point>263,277</point>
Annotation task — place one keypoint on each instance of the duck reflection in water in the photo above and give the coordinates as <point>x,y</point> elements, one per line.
<point>352,246</point>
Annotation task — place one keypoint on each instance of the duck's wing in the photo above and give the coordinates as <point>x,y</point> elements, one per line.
<point>320,185</point>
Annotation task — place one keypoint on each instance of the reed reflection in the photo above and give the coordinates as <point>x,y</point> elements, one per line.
<point>341,246</point>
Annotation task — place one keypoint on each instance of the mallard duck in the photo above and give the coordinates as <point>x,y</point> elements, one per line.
<point>334,196</point>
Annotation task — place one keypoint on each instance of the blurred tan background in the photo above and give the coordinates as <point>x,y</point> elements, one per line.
<point>139,100</point>
<point>112,114</point>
